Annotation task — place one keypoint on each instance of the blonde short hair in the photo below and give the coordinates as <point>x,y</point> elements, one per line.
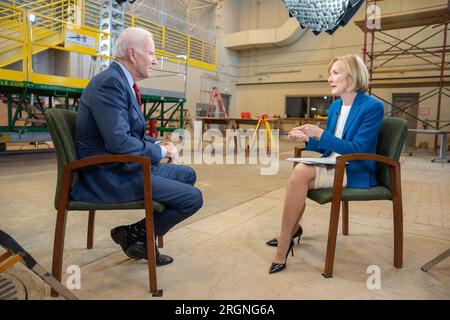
<point>357,70</point>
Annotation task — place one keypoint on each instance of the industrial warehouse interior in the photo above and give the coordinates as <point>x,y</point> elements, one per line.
<point>231,90</point>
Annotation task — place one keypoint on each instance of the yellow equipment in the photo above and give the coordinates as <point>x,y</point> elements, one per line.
<point>15,253</point>
<point>270,145</point>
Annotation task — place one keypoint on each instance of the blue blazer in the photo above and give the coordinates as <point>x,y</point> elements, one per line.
<point>360,136</point>
<point>110,120</point>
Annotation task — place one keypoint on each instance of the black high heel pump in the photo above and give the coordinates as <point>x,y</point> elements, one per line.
<point>277,267</point>
<point>297,234</point>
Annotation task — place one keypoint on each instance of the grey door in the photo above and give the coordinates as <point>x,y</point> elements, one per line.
<point>409,102</point>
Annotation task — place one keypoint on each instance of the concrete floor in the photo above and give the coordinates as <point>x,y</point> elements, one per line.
<point>220,252</point>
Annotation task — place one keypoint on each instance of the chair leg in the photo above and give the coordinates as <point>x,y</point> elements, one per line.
<point>90,232</point>
<point>398,232</point>
<point>345,218</point>
<point>151,251</point>
<point>150,227</point>
<point>160,242</point>
<point>58,247</point>
<point>397,216</point>
<point>151,255</point>
<point>332,235</point>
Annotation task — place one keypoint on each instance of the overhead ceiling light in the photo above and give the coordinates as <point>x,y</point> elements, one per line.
<point>323,15</point>
<point>32,18</point>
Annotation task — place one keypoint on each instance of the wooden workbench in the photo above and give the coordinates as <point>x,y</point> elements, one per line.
<point>284,125</point>
<point>235,123</point>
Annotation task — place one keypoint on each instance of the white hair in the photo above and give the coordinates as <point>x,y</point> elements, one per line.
<point>130,38</point>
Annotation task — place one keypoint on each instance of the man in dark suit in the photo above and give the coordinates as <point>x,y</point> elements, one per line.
<point>110,120</point>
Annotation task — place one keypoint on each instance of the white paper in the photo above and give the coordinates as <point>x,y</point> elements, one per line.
<point>325,160</point>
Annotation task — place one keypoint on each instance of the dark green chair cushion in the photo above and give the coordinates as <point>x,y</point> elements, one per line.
<point>323,196</point>
<point>61,124</point>
<point>78,205</point>
<point>390,143</point>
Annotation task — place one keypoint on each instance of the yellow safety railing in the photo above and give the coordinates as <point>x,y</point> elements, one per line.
<point>13,17</point>
<point>61,27</point>
<point>29,27</point>
<point>172,42</point>
<point>25,32</point>
<point>12,42</point>
<point>51,8</point>
<point>168,41</point>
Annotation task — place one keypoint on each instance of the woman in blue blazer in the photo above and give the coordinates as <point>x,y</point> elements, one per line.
<point>352,127</point>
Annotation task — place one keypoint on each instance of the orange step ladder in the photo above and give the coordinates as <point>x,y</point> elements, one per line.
<point>216,94</point>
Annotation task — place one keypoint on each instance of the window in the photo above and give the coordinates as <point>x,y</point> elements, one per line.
<point>318,106</point>
<point>296,107</point>
<point>307,107</point>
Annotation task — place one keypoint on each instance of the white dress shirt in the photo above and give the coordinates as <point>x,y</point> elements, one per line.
<point>345,110</point>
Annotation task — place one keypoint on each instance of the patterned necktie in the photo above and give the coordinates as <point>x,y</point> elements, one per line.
<point>138,94</point>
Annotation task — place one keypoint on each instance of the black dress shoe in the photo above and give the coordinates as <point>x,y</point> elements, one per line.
<point>138,251</point>
<point>123,236</point>
<point>298,233</point>
<point>277,267</point>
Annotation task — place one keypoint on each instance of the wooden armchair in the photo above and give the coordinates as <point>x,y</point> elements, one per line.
<point>61,124</point>
<point>390,142</point>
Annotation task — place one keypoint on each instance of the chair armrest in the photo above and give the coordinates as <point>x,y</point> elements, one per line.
<point>108,158</point>
<point>298,152</point>
<point>366,156</point>
<point>70,167</point>
<point>340,167</point>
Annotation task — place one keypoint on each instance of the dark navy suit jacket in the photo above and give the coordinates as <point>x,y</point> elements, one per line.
<point>360,136</point>
<point>109,120</point>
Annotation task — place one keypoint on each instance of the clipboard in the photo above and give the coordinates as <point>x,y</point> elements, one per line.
<point>323,160</point>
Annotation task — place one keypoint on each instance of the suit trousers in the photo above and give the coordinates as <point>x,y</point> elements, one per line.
<point>173,186</point>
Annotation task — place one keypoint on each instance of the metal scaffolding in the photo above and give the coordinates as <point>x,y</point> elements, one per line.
<point>112,21</point>
<point>408,61</point>
<point>36,26</point>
